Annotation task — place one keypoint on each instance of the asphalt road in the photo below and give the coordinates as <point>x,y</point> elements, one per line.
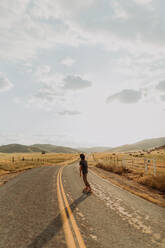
<point>31,216</point>
<point>29,212</point>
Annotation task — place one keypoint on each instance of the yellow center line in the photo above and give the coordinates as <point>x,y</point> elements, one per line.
<point>74,225</point>
<point>67,231</point>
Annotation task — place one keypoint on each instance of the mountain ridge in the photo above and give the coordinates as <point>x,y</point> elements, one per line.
<point>14,148</point>
<point>145,144</point>
<point>94,149</point>
<point>47,148</point>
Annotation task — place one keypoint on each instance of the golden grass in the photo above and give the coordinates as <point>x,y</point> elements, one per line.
<point>133,166</point>
<point>120,170</point>
<point>155,182</point>
<point>21,161</point>
<point>134,161</point>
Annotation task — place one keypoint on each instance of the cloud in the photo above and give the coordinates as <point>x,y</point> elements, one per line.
<point>31,29</point>
<point>45,94</point>
<point>67,61</point>
<point>112,24</point>
<point>42,73</point>
<point>48,97</point>
<point>143,2</point>
<point>122,24</point>
<point>162,97</point>
<point>119,11</point>
<point>56,91</point>
<point>69,112</point>
<point>126,96</point>
<point>60,82</point>
<point>161,86</point>
<point>73,82</point>
<point>44,69</point>
<point>5,84</point>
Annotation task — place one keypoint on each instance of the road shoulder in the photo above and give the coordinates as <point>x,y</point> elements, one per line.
<point>110,211</point>
<point>144,192</point>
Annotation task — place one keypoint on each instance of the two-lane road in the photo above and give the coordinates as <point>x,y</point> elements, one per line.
<point>29,212</point>
<point>45,207</point>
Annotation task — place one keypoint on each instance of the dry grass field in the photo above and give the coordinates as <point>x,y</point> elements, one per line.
<point>147,168</point>
<point>16,162</point>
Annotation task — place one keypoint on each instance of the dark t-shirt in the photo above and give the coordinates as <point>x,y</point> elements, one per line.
<point>84,165</point>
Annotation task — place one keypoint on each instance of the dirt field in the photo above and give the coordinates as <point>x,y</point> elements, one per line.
<point>13,163</point>
<point>137,172</point>
<point>139,162</point>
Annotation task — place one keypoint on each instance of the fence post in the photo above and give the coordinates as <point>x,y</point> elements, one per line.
<point>146,165</point>
<point>154,165</point>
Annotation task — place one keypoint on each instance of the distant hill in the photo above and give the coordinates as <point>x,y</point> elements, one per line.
<point>17,148</point>
<point>94,149</point>
<point>12,148</point>
<point>138,146</point>
<point>53,148</point>
<point>160,148</point>
<point>141,145</point>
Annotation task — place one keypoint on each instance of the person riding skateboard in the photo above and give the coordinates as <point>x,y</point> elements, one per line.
<point>84,171</point>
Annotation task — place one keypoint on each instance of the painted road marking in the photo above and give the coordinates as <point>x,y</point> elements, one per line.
<point>73,221</point>
<point>67,231</point>
<point>65,205</point>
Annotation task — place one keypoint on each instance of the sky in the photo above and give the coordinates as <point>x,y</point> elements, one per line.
<point>82,73</point>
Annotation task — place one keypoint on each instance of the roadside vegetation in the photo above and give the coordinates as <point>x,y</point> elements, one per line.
<point>146,168</point>
<point>16,162</point>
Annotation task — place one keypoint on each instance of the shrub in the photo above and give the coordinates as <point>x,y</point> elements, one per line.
<point>113,168</point>
<point>155,182</point>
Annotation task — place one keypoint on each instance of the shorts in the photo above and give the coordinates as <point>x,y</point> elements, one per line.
<point>84,171</point>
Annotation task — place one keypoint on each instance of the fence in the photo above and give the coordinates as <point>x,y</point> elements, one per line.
<point>143,164</point>
<point>146,165</point>
<point>15,162</point>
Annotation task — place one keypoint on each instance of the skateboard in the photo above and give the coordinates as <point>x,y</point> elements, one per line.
<point>85,191</point>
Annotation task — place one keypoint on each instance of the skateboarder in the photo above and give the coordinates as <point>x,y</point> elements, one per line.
<point>84,171</point>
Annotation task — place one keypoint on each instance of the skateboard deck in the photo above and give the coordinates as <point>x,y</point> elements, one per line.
<point>86,191</point>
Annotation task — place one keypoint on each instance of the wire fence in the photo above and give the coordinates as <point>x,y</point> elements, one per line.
<point>141,165</point>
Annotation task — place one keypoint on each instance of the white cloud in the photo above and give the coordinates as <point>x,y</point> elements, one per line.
<point>48,97</point>
<point>113,25</point>
<point>161,86</point>
<point>5,84</point>
<point>119,11</point>
<point>135,28</point>
<point>42,72</point>
<point>29,34</point>
<point>162,97</point>
<point>125,96</point>
<point>56,91</point>
<point>74,82</point>
<point>143,2</point>
<point>69,112</point>
<point>59,81</point>
<point>146,94</point>
<point>10,14</point>
<point>67,61</point>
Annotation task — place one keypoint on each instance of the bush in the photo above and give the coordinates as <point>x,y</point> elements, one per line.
<point>155,182</point>
<point>113,168</point>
